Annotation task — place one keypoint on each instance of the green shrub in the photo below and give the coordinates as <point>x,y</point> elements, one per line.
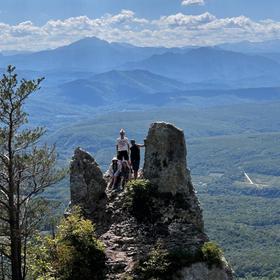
<point>74,253</point>
<point>139,200</point>
<point>212,254</point>
<point>156,266</point>
<point>161,263</point>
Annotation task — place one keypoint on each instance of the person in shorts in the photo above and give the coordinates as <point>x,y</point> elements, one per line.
<point>135,157</point>
<point>122,146</point>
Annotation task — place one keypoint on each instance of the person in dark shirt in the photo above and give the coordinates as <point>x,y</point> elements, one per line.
<point>135,157</point>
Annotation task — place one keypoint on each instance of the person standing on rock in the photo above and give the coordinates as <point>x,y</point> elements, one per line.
<point>122,146</point>
<point>135,157</point>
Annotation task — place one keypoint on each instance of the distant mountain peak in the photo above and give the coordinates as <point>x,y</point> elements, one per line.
<point>87,42</point>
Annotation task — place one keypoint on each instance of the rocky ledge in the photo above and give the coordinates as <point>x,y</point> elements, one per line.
<point>153,229</point>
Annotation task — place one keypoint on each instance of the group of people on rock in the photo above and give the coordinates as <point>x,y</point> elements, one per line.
<point>125,163</point>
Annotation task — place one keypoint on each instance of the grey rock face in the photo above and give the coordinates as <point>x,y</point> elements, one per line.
<point>87,185</point>
<point>165,158</point>
<point>201,271</point>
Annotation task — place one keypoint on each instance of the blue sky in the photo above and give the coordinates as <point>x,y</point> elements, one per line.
<point>36,24</point>
<point>38,11</point>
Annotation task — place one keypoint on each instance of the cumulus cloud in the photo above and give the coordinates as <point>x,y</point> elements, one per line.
<point>171,31</point>
<point>193,2</point>
<point>185,20</point>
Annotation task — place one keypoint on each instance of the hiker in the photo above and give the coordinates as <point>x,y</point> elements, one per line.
<point>125,173</point>
<point>122,146</point>
<point>135,157</point>
<point>115,172</point>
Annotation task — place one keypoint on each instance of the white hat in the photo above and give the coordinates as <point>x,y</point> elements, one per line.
<point>122,131</point>
<point>114,159</point>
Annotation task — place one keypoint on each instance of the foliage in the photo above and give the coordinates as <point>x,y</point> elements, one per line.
<point>212,254</point>
<point>139,200</point>
<point>26,170</point>
<point>74,253</point>
<point>161,263</point>
<point>156,266</point>
<point>247,228</point>
<point>40,258</point>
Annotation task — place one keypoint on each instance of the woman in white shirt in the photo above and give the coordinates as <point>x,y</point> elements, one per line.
<point>122,146</point>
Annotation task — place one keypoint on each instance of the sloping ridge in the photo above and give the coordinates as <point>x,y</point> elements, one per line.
<point>115,86</point>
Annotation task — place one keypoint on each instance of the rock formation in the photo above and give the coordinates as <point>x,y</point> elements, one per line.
<point>87,185</point>
<point>161,212</point>
<point>165,158</point>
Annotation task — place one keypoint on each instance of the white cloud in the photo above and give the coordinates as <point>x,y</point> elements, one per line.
<point>173,30</point>
<point>185,20</point>
<point>193,2</point>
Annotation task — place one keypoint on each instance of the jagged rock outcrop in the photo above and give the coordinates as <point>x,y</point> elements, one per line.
<point>165,210</point>
<point>87,185</point>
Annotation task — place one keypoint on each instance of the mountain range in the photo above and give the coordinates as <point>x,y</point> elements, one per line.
<point>97,73</point>
<point>206,64</point>
<point>271,46</point>
<point>89,54</point>
<point>143,87</point>
<point>211,65</point>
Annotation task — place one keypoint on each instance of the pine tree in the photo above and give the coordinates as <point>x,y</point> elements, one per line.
<point>27,168</point>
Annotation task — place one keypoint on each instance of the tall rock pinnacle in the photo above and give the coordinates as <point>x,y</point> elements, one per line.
<point>165,158</point>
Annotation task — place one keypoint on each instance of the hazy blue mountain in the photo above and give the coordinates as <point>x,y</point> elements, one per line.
<point>144,80</point>
<point>274,56</point>
<point>253,47</point>
<point>252,94</point>
<point>143,87</point>
<point>118,86</point>
<point>217,97</point>
<point>89,54</point>
<point>201,67</point>
<point>212,65</point>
